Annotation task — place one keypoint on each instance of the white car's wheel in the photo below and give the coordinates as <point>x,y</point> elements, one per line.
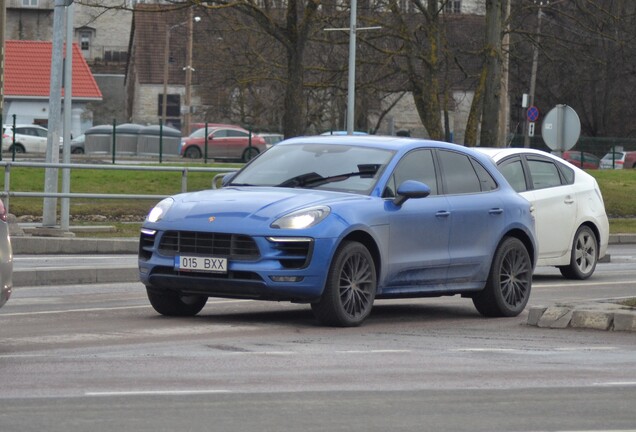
<point>584,255</point>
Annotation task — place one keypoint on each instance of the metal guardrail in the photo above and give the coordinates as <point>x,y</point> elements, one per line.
<point>7,193</point>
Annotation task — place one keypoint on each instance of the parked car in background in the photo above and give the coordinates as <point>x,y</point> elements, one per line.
<point>77,144</point>
<point>571,223</point>
<point>339,132</point>
<point>581,159</point>
<point>224,142</point>
<point>339,221</point>
<point>271,138</point>
<point>619,160</point>
<point>6,258</point>
<point>6,139</point>
<point>28,138</point>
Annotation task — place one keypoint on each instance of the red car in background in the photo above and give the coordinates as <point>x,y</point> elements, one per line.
<point>224,142</point>
<point>582,160</point>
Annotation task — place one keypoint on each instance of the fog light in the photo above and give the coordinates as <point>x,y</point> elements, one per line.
<point>286,278</point>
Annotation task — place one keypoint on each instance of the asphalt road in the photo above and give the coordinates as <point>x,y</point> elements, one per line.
<point>97,357</point>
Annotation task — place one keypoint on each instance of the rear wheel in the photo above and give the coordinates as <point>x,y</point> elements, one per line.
<point>584,255</point>
<point>193,152</point>
<point>350,288</point>
<point>19,148</point>
<point>508,286</point>
<point>249,154</point>
<point>171,304</point>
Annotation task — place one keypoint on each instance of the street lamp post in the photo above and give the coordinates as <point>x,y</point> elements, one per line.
<point>188,69</point>
<point>533,73</point>
<point>187,116</point>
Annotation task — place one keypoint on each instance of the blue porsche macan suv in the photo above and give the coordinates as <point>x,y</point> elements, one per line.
<point>339,221</point>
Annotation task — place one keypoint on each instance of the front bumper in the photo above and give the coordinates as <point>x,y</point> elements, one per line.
<point>270,276</point>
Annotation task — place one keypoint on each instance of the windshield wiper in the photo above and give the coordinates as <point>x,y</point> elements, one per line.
<point>313,179</point>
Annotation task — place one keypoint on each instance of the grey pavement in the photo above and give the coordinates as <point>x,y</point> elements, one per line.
<point>68,260</point>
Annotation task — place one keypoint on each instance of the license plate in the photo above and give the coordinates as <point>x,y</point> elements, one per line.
<point>202,264</point>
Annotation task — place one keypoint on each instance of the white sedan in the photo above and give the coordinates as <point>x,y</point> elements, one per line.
<point>571,224</point>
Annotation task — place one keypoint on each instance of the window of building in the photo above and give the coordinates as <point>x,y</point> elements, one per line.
<point>173,105</point>
<point>30,3</point>
<point>85,41</point>
<point>453,6</point>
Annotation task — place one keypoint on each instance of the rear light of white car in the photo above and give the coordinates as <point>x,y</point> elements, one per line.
<point>3,211</point>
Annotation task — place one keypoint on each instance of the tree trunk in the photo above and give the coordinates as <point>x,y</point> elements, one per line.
<point>492,91</point>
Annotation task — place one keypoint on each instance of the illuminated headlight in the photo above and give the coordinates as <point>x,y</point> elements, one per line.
<point>160,210</point>
<point>302,219</point>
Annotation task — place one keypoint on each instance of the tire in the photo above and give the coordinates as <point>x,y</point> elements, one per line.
<point>78,150</point>
<point>249,154</point>
<point>584,255</point>
<point>19,148</point>
<point>350,288</point>
<point>192,152</point>
<point>509,282</point>
<point>171,304</point>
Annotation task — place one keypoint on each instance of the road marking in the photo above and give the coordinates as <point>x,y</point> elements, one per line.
<point>100,309</point>
<point>72,310</point>
<point>616,384</point>
<point>572,284</point>
<point>156,392</point>
<point>487,350</point>
<point>373,352</point>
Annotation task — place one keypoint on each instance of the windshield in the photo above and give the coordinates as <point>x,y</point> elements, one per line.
<point>317,166</point>
<point>615,156</point>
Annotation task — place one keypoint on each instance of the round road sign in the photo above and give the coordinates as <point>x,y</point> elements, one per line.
<point>561,128</point>
<point>533,113</point>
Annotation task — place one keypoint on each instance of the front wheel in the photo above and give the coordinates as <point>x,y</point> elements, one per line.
<point>350,288</point>
<point>508,286</point>
<point>192,152</point>
<point>249,154</point>
<point>584,255</point>
<point>171,304</point>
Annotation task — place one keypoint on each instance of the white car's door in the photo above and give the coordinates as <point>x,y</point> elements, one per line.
<point>555,207</point>
<point>40,140</point>
<point>554,201</point>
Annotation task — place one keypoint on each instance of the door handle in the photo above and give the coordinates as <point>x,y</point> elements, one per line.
<point>442,213</point>
<point>568,200</point>
<point>495,211</point>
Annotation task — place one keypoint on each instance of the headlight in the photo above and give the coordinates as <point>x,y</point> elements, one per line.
<point>301,219</point>
<point>160,210</point>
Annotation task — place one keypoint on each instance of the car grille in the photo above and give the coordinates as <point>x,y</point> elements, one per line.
<point>233,246</point>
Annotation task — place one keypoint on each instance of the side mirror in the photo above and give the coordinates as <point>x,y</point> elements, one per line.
<point>227,178</point>
<point>411,189</point>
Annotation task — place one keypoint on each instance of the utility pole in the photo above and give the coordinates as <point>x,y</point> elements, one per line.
<point>533,73</point>
<point>65,206</point>
<point>3,22</point>
<point>187,115</point>
<point>49,217</point>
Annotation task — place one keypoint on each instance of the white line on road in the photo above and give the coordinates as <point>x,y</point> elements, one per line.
<point>72,310</point>
<point>156,392</point>
<point>99,309</point>
<point>586,283</point>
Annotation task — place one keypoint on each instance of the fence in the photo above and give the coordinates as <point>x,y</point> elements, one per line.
<point>7,192</point>
<point>598,146</point>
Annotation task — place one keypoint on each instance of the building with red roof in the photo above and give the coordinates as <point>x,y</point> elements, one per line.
<point>27,84</point>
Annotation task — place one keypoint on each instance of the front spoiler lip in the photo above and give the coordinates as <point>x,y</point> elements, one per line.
<point>226,288</point>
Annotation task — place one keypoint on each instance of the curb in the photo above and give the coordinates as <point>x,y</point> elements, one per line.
<point>75,276</point>
<point>622,238</point>
<point>602,314</point>
<point>28,245</point>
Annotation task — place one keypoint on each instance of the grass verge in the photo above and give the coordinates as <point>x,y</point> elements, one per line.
<point>617,186</point>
